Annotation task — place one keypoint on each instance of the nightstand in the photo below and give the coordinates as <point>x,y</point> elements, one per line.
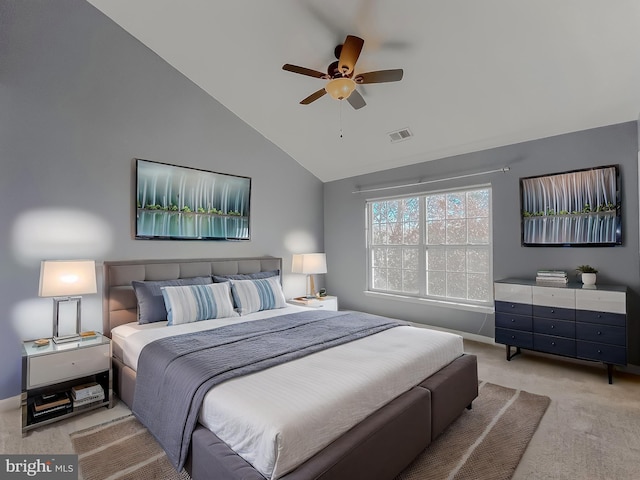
<point>328,303</point>
<point>50,372</point>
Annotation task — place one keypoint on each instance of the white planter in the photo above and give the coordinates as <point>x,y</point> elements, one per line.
<point>589,278</point>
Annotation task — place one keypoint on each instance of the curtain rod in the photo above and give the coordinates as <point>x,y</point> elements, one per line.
<point>502,170</point>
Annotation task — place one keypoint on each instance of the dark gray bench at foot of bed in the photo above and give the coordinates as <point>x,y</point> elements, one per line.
<point>378,448</point>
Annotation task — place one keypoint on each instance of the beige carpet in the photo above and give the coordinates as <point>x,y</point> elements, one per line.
<point>486,442</point>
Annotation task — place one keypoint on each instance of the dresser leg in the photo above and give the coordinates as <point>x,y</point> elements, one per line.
<point>610,372</point>
<point>509,356</point>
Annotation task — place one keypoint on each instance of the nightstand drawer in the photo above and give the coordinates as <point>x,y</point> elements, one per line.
<point>48,369</point>
<point>329,302</point>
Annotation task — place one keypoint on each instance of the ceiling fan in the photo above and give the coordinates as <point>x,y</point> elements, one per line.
<point>341,75</point>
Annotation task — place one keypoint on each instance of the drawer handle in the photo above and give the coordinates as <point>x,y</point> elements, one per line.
<point>513,306</point>
<point>513,319</point>
<point>599,351</point>
<point>553,344</point>
<point>599,333</point>
<point>553,326</point>
<point>553,311</point>
<point>513,336</point>
<point>599,316</point>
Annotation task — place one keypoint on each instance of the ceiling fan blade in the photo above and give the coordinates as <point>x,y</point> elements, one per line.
<point>313,97</point>
<point>380,76</point>
<point>356,100</point>
<point>349,54</point>
<point>303,71</point>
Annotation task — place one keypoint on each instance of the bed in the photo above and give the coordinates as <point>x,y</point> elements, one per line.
<point>378,445</point>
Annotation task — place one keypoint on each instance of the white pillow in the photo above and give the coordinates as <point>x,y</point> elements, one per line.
<point>193,303</point>
<point>256,295</point>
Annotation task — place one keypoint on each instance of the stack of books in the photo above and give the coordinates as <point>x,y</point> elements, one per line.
<point>87,394</point>
<point>554,277</point>
<point>51,405</point>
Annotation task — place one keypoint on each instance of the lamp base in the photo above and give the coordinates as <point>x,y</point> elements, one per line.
<point>74,337</point>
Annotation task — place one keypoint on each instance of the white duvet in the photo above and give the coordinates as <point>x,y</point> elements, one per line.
<point>278,418</point>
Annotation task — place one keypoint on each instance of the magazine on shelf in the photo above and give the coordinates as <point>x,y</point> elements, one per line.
<point>47,401</point>
<point>52,411</point>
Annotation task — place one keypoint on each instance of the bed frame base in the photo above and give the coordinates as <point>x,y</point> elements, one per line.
<point>378,448</point>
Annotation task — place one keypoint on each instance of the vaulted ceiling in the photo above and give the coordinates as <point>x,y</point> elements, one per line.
<point>476,74</point>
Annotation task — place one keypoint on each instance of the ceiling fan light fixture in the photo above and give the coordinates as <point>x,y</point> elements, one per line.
<point>340,88</point>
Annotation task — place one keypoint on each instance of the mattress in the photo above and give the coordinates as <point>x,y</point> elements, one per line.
<point>277,418</point>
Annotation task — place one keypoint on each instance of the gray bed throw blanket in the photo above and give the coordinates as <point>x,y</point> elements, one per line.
<point>175,373</point>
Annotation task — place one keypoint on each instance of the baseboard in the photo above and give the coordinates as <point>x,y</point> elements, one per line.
<point>466,335</point>
<point>10,403</point>
<point>633,369</point>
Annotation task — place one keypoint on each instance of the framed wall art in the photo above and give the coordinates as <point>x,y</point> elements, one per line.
<point>576,208</point>
<point>183,203</point>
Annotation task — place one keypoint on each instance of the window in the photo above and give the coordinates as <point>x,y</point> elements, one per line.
<point>435,246</point>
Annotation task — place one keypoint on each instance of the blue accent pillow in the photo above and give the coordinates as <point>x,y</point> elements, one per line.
<point>245,276</point>
<point>193,303</point>
<point>255,295</point>
<point>151,306</point>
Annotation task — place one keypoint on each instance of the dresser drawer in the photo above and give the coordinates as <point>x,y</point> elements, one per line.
<point>560,328</point>
<point>601,352</point>
<point>604,318</point>
<point>509,292</point>
<point>554,297</point>
<point>48,369</point>
<point>515,338</point>
<point>515,322</point>
<point>556,345</point>
<point>601,333</point>
<point>599,300</point>
<point>554,312</point>
<point>513,308</point>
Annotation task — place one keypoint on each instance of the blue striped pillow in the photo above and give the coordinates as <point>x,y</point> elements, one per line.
<point>198,302</point>
<point>256,295</point>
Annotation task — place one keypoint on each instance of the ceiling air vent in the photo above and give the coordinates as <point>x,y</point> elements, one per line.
<point>400,135</point>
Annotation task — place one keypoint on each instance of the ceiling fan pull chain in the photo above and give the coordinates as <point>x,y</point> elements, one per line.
<point>341,136</point>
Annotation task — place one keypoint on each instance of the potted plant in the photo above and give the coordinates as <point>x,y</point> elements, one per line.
<point>588,274</point>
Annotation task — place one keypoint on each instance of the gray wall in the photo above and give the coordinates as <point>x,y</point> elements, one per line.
<point>345,222</point>
<point>79,99</point>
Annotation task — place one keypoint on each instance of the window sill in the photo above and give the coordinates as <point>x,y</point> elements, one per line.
<point>431,302</point>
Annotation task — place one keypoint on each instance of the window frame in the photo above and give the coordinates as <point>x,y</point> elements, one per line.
<point>422,297</point>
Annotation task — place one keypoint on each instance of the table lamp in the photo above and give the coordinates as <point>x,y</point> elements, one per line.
<point>310,264</point>
<point>66,281</point>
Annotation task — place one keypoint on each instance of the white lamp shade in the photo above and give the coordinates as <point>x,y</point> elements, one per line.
<point>309,263</point>
<point>65,278</point>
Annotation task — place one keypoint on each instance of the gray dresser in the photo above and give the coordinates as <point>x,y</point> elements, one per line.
<point>585,322</point>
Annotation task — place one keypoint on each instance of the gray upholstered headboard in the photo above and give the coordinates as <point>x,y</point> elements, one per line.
<point>119,299</point>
